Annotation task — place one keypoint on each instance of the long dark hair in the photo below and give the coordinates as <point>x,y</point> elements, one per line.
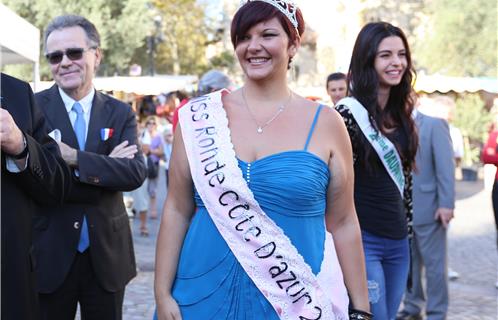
<point>363,84</point>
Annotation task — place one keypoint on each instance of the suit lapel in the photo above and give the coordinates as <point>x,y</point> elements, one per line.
<point>56,113</point>
<point>101,111</point>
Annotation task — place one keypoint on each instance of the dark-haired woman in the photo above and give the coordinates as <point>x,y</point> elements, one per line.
<point>270,174</point>
<point>378,118</point>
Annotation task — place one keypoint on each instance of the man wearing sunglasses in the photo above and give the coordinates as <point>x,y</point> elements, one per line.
<point>84,251</point>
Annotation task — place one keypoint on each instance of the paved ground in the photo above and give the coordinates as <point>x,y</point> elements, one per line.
<point>472,253</point>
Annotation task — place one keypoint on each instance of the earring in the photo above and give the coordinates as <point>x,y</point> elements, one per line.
<point>293,71</point>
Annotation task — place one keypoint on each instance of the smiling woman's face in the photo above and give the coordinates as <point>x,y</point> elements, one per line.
<point>390,61</point>
<point>264,50</point>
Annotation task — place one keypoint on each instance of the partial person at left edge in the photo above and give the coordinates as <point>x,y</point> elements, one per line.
<point>32,171</point>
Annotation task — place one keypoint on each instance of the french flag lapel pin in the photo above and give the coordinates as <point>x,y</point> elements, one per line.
<point>106,133</point>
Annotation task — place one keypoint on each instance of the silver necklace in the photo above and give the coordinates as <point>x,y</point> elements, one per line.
<point>279,111</point>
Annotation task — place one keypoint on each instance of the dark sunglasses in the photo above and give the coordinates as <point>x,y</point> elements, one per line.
<point>151,123</point>
<point>72,53</point>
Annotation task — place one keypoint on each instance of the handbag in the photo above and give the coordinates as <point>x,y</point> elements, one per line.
<point>152,168</point>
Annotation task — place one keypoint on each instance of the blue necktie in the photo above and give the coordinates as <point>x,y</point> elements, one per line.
<point>80,125</point>
<point>80,130</point>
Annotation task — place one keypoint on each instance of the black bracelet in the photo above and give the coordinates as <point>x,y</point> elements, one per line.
<point>24,151</point>
<point>355,314</point>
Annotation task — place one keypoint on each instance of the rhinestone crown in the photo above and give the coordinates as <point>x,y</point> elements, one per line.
<point>287,7</point>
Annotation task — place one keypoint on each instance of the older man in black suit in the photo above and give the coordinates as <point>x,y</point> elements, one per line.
<point>31,170</point>
<point>85,252</point>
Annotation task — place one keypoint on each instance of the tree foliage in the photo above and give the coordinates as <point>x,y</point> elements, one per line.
<point>122,24</point>
<point>450,37</point>
<point>407,14</point>
<point>461,38</point>
<point>184,33</point>
<point>472,118</point>
<point>224,61</point>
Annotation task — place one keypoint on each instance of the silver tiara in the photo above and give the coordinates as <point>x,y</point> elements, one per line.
<point>287,7</point>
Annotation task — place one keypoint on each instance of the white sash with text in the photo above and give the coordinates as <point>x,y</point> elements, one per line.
<point>385,149</point>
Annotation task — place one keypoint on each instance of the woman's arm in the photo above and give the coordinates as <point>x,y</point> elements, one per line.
<point>178,210</point>
<point>341,218</point>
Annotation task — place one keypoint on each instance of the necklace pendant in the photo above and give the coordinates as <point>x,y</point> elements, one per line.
<point>260,130</point>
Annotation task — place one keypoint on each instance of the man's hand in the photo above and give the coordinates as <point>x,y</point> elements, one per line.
<point>70,155</point>
<point>444,215</point>
<point>123,150</point>
<point>11,137</point>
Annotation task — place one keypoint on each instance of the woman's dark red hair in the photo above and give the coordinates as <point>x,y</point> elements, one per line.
<point>254,12</point>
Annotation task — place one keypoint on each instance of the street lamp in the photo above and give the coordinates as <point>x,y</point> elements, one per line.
<point>152,41</point>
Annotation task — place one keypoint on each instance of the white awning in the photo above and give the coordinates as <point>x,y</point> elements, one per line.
<point>146,85</point>
<point>424,83</point>
<point>443,84</point>
<point>19,39</point>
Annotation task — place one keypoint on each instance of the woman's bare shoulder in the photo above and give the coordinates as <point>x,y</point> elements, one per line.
<point>330,118</point>
<point>231,96</point>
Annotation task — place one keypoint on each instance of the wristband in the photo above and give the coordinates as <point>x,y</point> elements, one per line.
<point>24,151</point>
<point>355,314</point>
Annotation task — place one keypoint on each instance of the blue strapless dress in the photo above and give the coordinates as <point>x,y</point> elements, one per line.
<point>291,188</point>
<point>210,283</point>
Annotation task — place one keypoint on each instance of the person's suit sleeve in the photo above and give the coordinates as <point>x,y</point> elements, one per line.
<point>46,178</point>
<point>442,150</point>
<point>119,174</point>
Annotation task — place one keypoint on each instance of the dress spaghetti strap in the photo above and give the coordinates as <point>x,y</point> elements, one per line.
<point>310,134</point>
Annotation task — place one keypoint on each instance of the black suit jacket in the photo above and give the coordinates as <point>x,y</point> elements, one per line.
<point>46,179</point>
<point>56,230</point>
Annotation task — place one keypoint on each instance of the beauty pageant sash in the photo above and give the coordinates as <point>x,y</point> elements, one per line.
<point>260,246</point>
<point>385,149</point>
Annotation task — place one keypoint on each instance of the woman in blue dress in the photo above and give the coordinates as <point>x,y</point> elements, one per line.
<point>294,156</point>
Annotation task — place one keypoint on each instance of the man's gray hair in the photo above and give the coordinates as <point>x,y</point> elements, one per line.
<point>213,80</point>
<point>71,20</point>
